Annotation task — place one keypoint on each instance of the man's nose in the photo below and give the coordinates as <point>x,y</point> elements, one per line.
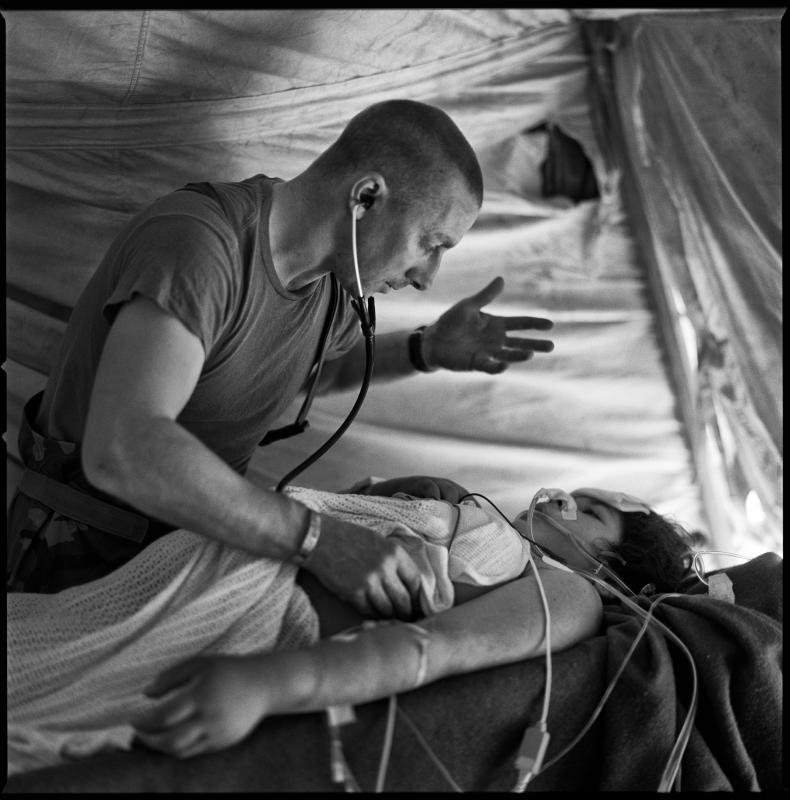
<point>422,277</point>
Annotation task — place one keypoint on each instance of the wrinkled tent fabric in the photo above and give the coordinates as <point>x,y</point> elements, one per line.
<point>697,100</point>
<point>107,110</point>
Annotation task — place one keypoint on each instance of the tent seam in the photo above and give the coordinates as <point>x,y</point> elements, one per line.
<point>142,40</point>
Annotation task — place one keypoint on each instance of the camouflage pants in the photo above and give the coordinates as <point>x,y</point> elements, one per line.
<point>61,532</point>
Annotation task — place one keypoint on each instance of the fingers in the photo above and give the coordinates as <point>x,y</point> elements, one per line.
<point>396,597</point>
<point>172,711</point>
<point>513,355</point>
<point>487,294</point>
<point>412,580</point>
<point>393,592</point>
<point>175,726</point>
<point>528,345</point>
<point>374,602</point>
<point>375,574</point>
<point>492,366</point>
<point>178,724</point>
<point>527,323</point>
<point>184,740</point>
<point>495,358</point>
<point>491,292</point>
<point>171,679</point>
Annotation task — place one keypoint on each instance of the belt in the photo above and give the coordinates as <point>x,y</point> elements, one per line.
<point>83,507</point>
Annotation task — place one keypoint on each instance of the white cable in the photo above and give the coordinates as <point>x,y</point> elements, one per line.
<point>341,772</point>
<point>547,690</point>
<point>539,731</point>
<point>354,250</point>
<point>600,566</point>
<point>429,751</point>
<point>671,771</point>
<point>697,560</point>
<point>609,689</point>
<point>672,767</point>
<point>387,747</point>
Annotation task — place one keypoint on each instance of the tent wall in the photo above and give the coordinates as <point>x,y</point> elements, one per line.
<point>691,107</point>
<point>107,110</point>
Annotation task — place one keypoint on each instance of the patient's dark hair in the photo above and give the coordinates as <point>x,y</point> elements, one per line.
<point>656,551</point>
<point>415,146</point>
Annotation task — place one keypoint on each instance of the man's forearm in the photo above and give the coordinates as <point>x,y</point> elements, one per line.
<point>391,363</point>
<point>161,469</point>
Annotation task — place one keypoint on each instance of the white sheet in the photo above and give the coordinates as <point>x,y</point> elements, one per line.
<point>79,660</point>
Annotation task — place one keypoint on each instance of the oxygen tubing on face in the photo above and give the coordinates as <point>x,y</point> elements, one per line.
<point>530,759</point>
<point>536,737</point>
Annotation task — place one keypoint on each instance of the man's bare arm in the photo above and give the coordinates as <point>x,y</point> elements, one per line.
<point>134,449</point>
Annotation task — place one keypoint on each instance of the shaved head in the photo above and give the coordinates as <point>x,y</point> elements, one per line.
<point>416,147</point>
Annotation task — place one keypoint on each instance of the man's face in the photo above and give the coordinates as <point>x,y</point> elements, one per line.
<point>399,248</point>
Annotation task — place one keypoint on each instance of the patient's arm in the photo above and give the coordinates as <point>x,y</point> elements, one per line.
<point>211,703</point>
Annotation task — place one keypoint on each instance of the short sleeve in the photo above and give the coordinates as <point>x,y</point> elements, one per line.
<point>186,266</point>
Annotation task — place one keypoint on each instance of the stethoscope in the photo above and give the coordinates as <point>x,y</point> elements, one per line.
<point>367,319</point>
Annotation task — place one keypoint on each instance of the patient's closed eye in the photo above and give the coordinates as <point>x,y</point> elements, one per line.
<point>593,509</point>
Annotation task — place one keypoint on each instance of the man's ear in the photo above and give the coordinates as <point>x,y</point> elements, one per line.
<point>366,192</point>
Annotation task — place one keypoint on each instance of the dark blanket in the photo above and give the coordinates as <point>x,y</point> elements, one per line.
<point>473,724</point>
<point>736,742</point>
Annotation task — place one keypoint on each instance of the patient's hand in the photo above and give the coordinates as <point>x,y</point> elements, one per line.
<point>209,703</point>
<point>420,486</point>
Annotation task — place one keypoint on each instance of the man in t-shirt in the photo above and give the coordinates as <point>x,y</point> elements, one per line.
<point>203,323</point>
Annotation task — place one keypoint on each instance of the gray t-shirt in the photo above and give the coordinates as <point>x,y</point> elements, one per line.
<point>204,258</point>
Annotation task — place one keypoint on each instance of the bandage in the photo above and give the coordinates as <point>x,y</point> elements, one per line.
<point>568,504</point>
<point>618,500</point>
<point>421,637</point>
<point>720,587</point>
<point>415,634</point>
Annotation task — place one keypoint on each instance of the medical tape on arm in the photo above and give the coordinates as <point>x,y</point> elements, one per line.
<point>418,637</point>
<point>414,634</point>
<point>421,639</point>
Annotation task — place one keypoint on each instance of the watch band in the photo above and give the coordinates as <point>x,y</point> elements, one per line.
<point>415,351</point>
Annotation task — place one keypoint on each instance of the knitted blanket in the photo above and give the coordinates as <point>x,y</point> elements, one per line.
<point>78,660</point>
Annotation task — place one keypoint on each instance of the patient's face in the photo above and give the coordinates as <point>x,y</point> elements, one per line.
<point>597,526</point>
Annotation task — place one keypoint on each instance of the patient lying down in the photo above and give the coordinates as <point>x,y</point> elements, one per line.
<point>233,639</point>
